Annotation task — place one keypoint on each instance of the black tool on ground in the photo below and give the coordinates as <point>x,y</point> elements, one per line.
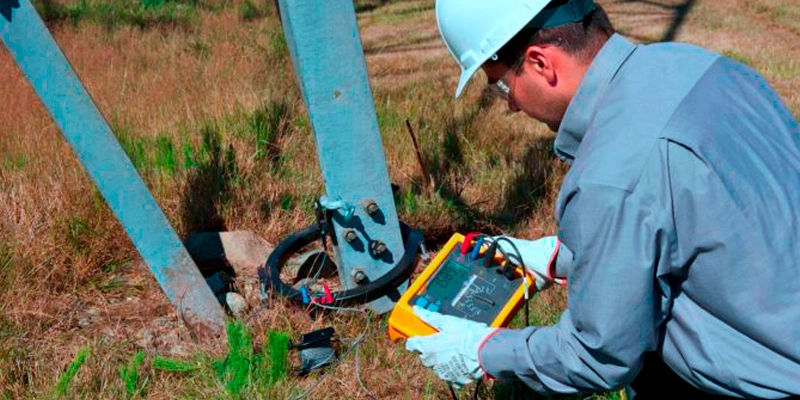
<point>316,350</point>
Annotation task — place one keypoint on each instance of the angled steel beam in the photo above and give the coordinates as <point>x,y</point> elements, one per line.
<point>329,61</point>
<point>62,93</point>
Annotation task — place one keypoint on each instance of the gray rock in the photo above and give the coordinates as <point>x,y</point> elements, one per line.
<point>236,304</point>
<point>242,251</point>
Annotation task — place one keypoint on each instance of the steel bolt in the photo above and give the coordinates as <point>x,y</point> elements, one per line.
<point>371,207</point>
<point>378,247</point>
<point>350,235</point>
<point>360,278</point>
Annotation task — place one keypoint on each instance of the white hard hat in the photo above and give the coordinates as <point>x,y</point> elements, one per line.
<point>474,30</point>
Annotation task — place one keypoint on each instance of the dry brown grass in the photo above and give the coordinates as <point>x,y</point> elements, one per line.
<point>69,277</point>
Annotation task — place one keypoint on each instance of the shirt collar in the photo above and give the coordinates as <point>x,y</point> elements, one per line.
<point>582,107</point>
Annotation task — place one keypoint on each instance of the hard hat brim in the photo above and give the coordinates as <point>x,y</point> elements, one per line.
<point>466,75</point>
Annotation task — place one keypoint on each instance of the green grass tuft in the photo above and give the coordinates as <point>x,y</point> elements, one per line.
<point>242,371</point>
<point>249,11</point>
<point>130,375</point>
<point>116,14</point>
<point>277,44</point>
<point>79,233</point>
<point>241,368</point>
<point>65,381</point>
<point>287,201</point>
<point>388,118</point>
<point>133,146</point>
<point>234,370</point>
<point>136,152</point>
<point>171,365</point>
<point>406,201</point>
<point>165,155</point>
<point>200,48</point>
<point>277,350</point>
<point>157,155</point>
<point>211,147</point>
<point>152,3</point>
<point>13,162</point>
<point>269,123</point>
<point>189,157</point>
<point>7,275</point>
<point>230,170</point>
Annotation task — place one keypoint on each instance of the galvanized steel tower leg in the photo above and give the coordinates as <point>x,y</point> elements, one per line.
<point>41,60</point>
<point>329,60</point>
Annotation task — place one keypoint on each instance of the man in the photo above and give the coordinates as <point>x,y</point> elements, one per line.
<point>679,216</point>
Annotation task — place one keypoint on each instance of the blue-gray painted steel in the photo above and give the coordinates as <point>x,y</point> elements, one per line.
<point>329,60</point>
<point>47,69</point>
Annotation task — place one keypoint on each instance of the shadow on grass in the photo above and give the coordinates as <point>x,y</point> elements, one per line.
<point>446,164</point>
<point>529,184</point>
<point>369,5</point>
<point>451,174</point>
<point>680,12</point>
<point>208,185</point>
<point>269,124</point>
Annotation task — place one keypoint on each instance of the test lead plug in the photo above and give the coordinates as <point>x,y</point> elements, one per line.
<point>489,255</point>
<point>477,249</point>
<point>467,242</point>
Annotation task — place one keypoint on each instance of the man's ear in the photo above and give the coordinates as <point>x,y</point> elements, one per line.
<point>541,61</point>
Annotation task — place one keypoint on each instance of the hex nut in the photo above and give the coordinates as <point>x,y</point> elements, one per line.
<point>378,247</point>
<point>360,278</point>
<point>371,207</point>
<point>349,235</point>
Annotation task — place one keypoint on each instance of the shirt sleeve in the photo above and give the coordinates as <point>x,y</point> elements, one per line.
<point>617,240</point>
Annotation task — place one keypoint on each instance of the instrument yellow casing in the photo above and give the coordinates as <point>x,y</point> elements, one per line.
<point>403,323</point>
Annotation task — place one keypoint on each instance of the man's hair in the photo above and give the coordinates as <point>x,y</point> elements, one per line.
<point>582,40</point>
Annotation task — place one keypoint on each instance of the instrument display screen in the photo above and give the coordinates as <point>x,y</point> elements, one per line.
<point>467,289</point>
<point>448,281</point>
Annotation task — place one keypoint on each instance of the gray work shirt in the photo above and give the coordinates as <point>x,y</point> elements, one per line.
<point>682,210</point>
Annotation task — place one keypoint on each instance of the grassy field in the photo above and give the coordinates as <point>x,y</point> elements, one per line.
<point>203,98</point>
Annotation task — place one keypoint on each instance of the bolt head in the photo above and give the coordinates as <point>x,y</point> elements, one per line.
<point>378,247</point>
<point>360,277</point>
<point>350,235</point>
<point>371,207</point>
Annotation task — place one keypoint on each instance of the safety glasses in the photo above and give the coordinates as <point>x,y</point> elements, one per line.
<point>502,88</point>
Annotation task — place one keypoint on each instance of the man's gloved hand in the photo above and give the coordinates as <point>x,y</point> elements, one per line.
<point>453,352</point>
<point>538,255</point>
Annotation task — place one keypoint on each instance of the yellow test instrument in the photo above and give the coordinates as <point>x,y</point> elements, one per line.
<point>468,279</point>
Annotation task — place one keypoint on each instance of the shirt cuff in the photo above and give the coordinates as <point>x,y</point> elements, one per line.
<point>563,261</point>
<point>499,354</point>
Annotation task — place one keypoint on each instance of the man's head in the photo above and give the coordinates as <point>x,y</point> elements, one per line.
<point>535,51</point>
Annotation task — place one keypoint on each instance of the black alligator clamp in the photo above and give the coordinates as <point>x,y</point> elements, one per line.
<point>316,350</point>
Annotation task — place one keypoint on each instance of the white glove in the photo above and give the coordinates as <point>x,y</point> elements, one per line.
<point>453,352</point>
<point>538,255</point>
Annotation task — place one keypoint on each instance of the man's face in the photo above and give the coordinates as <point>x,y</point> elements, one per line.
<point>502,80</point>
<point>529,88</point>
